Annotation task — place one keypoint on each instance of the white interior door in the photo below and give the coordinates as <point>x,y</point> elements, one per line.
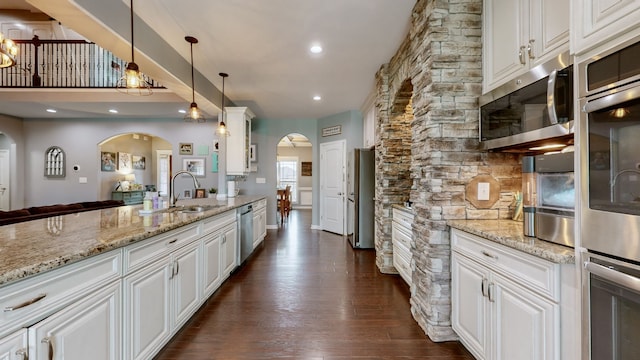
<point>332,186</point>
<point>5,171</point>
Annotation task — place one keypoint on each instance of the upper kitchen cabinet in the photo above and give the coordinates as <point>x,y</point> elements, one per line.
<point>239,140</point>
<point>598,21</point>
<point>521,34</point>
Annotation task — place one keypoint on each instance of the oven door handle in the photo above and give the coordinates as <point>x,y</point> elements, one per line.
<point>612,100</point>
<point>551,97</point>
<point>620,278</point>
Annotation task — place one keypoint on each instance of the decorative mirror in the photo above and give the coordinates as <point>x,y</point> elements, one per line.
<point>54,162</point>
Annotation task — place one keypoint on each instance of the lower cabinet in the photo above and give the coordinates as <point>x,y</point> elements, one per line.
<point>495,313</point>
<point>259,222</point>
<point>14,346</point>
<point>124,304</point>
<point>88,329</point>
<point>401,235</point>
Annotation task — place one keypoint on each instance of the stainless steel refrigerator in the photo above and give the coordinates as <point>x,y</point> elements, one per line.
<point>361,182</point>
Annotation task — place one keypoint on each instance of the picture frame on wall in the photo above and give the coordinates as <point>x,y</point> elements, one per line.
<point>138,162</point>
<point>194,165</point>
<point>124,162</point>
<point>107,161</point>
<point>186,148</point>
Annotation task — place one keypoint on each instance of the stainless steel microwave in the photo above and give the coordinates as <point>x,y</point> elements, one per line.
<point>535,107</point>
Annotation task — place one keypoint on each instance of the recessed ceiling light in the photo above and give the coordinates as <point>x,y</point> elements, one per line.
<point>317,98</point>
<point>52,110</point>
<point>182,111</point>
<point>316,49</point>
<point>113,111</point>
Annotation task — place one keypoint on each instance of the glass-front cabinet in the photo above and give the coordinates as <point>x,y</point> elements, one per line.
<point>239,140</point>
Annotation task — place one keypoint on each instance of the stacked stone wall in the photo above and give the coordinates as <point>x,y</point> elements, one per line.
<point>441,59</point>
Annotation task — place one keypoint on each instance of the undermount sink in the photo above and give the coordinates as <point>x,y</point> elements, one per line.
<point>195,208</point>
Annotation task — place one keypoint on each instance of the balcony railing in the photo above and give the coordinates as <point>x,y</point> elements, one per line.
<point>64,64</point>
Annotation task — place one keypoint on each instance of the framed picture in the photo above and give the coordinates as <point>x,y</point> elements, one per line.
<point>186,148</point>
<point>200,193</point>
<point>124,161</point>
<point>187,194</point>
<point>253,153</point>
<point>107,161</point>
<point>194,165</point>
<point>138,162</point>
<point>305,168</point>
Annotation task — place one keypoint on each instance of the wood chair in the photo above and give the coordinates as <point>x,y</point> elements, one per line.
<point>283,203</point>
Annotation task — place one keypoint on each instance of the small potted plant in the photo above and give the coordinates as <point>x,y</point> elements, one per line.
<point>212,192</point>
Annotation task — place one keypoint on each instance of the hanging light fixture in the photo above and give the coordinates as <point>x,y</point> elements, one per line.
<point>194,114</point>
<point>222,127</point>
<point>132,82</point>
<point>8,52</point>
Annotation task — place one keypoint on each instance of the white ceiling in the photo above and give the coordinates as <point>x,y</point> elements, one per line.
<point>264,46</point>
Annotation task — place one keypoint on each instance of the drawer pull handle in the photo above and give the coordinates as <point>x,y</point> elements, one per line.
<point>483,287</point>
<point>49,345</point>
<point>26,303</point>
<point>490,293</point>
<point>173,241</point>
<point>22,354</point>
<point>488,254</point>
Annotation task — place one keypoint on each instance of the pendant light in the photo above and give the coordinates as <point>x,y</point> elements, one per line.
<point>222,127</point>
<point>8,52</point>
<point>132,82</point>
<point>194,114</point>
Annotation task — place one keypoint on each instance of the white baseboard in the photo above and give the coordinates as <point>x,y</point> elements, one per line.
<point>315,227</point>
<point>272,227</point>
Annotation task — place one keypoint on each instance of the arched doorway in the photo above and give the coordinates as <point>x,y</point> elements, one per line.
<point>293,168</point>
<point>134,161</point>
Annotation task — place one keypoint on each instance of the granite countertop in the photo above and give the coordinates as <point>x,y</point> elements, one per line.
<point>509,233</point>
<point>36,246</point>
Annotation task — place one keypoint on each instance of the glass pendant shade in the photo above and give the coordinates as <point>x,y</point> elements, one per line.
<point>194,114</point>
<point>222,127</point>
<point>132,82</point>
<point>8,52</point>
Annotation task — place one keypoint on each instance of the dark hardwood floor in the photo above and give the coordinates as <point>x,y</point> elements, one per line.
<point>306,294</point>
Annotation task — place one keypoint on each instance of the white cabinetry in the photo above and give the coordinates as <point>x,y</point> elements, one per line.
<point>505,304</point>
<point>599,21</point>
<point>259,221</point>
<point>239,140</point>
<point>521,34</point>
<point>88,329</point>
<point>14,346</point>
<point>229,250</point>
<point>401,235</point>
<point>157,298</point>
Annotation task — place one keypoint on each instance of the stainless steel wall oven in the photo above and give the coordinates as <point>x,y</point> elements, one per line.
<point>610,202</point>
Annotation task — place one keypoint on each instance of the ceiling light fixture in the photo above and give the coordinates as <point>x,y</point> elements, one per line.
<point>222,127</point>
<point>194,114</point>
<point>53,111</point>
<point>113,111</point>
<point>316,49</point>
<point>317,98</point>
<point>132,82</point>
<point>8,52</point>
<point>182,111</point>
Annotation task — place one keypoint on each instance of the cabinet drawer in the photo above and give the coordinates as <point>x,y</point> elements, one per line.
<point>524,269</point>
<point>142,253</point>
<point>37,297</point>
<point>402,217</point>
<point>216,222</point>
<point>402,264</point>
<point>399,234</point>
<point>259,204</point>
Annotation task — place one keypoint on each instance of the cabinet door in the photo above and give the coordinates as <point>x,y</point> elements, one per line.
<point>14,346</point>
<point>470,310</point>
<point>505,36</point>
<point>599,21</point>
<point>211,264</point>
<point>185,284</point>
<point>549,29</point>
<point>229,250</point>
<point>147,311</point>
<point>526,326</point>
<point>88,329</point>
<point>256,228</point>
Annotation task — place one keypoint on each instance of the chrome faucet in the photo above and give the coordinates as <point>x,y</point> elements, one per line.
<point>172,196</point>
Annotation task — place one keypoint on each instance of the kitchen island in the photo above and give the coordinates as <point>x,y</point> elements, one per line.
<point>114,283</point>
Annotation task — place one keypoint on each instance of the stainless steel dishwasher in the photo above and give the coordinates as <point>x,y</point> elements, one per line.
<point>246,232</point>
